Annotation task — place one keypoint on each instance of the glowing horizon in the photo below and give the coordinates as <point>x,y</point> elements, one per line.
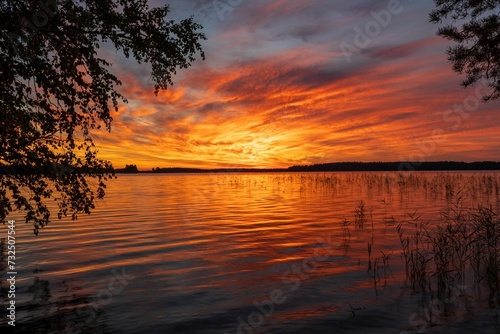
<point>277,89</point>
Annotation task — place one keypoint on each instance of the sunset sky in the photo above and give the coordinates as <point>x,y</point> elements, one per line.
<point>278,88</point>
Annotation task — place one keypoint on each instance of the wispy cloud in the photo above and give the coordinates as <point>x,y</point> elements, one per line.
<point>276,90</point>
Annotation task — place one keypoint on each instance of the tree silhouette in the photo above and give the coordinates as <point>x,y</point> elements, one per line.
<point>56,91</point>
<point>131,169</point>
<point>478,36</point>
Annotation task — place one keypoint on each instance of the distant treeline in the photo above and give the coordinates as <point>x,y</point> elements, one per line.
<point>397,166</point>
<point>218,170</point>
<point>350,167</point>
<point>49,170</point>
<point>328,167</point>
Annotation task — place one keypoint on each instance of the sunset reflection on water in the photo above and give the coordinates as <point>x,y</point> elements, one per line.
<point>200,252</point>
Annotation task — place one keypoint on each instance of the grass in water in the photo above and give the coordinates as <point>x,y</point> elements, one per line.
<point>463,247</point>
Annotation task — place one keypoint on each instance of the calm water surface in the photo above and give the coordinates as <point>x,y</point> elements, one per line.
<point>240,253</point>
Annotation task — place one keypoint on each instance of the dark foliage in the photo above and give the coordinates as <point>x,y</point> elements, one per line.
<point>475,27</point>
<point>56,91</point>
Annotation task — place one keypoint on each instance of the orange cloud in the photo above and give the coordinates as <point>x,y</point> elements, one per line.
<point>259,102</point>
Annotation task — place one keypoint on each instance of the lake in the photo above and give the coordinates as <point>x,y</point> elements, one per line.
<point>250,253</point>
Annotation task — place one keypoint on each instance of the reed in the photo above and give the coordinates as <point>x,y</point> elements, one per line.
<point>370,244</point>
<point>346,235</point>
<point>463,246</point>
<point>360,214</point>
